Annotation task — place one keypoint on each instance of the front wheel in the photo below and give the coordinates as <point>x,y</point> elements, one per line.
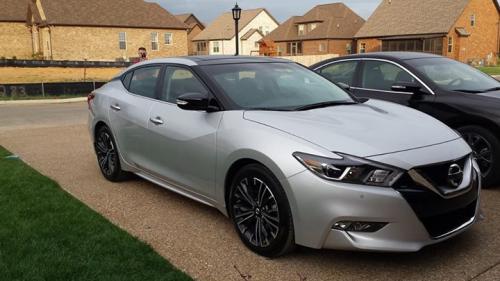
<point>486,147</point>
<point>260,211</point>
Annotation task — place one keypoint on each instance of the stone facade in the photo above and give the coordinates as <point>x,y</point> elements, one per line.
<point>102,43</point>
<point>15,40</point>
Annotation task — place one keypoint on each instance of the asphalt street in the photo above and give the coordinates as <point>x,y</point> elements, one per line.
<point>199,240</point>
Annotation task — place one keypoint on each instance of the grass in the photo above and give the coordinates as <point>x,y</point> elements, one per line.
<point>9,75</point>
<point>491,70</point>
<point>46,234</point>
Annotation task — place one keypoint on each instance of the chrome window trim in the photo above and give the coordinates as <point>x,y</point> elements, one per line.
<point>382,60</point>
<point>383,91</point>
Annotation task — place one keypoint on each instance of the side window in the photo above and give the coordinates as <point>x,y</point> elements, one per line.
<point>342,72</point>
<point>126,80</point>
<point>379,75</point>
<point>179,81</point>
<point>144,81</point>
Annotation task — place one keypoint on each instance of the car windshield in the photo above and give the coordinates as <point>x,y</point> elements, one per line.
<point>275,86</point>
<point>451,75</point>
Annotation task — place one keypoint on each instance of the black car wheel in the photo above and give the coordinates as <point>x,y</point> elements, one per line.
<point>107,155</point>
<point>486,147</point>
<point>260,211</point>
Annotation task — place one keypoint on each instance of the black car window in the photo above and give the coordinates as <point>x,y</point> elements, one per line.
<point>379,75</point>
<point>342,72</point>
<point>179,81</point>
<point>144,81</point>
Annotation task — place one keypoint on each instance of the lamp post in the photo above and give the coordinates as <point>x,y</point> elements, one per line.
<point>236,17</point>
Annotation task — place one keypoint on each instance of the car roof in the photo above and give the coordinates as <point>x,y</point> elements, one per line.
<point>393,56</point>
<point>208,60</point>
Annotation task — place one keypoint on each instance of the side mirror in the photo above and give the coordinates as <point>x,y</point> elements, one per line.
<point>406,87</point>
<point>344,86</point>
<point>193,101</point>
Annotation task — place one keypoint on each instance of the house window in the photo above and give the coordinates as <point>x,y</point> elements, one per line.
<point>450,44</point>
<point>122,39</point>
<point>278,50</point>
<point>302,29</point>
<point>312,26</point>
<point>348,48</point>
<point>294,48</point>
<point>216,47</point>
<point>473,20</point>
<point>362,48</point>
<point>168,38</point>
<point>321,47</point>
<point>154,41</point>
<point>201,46</point>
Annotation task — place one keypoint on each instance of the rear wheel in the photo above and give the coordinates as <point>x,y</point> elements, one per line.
<point>107,155</point>
<point>260,211</point>
<point>486,147</point>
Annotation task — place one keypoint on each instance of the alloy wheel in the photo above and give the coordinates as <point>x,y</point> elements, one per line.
<point>483,151</point>
<point>106,153</point>
<point>256,212</point>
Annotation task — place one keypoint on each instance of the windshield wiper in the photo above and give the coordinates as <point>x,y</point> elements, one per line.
<point>468,91</point>
<point>267,109</point>
<point>491,90</point>
<point>324,104</point>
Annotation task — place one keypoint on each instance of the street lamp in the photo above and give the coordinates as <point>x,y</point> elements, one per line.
<point>236,17</point>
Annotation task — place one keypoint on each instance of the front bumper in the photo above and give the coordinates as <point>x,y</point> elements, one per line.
<point>319,204</point>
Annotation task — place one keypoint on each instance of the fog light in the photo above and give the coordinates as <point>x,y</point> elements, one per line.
<point>359,226</point>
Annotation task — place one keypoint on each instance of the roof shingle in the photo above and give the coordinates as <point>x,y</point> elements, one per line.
<point>410,17</point>
<point>13,10</point>
<point>334,21</point>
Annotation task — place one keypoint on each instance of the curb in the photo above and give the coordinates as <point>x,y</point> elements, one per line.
<point>46,101</point>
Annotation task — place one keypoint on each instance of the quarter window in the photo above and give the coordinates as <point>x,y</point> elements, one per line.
<point>379,75</point>
<point>122,40</point>
<point>168,38</point>
<point>342,72</point>
<point>179,81</point>
<point>154,41</point>
<point>144,81</point>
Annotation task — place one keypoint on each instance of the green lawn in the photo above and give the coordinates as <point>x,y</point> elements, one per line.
<point>492,70</point>
<point>46,234</point>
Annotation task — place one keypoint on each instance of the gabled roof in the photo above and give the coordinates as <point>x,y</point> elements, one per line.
<point>13,10</point>
<point>222,28</point>
<point>407,17</point>
<point>112,13</point>
<point>190,20</point>
<point>333,21</point>
<point>251,32</point>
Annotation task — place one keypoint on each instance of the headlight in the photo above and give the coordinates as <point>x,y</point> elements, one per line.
<point>350,169</point>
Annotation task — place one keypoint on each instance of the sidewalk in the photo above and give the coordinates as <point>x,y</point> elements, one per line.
<point>44,101</point>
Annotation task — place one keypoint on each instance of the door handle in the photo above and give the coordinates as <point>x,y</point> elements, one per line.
<point>115,107</point>
<point>156,121</point>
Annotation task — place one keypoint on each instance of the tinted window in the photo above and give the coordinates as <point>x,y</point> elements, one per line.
<point>126,80</point>
<point>180,81</point>
<point>342,72</point>
<point>379,75</point>
<point>273,85</point>
<point>452,75</point>
<point>144,81</point>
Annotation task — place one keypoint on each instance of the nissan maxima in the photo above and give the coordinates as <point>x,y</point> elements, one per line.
<point>290,157</point>
<point>459,95</point>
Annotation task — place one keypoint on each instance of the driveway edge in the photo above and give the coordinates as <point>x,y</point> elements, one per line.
<point>46,101</point>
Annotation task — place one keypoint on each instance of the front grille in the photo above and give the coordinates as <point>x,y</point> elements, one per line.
<point>439,215</point>
<point>438,174</point>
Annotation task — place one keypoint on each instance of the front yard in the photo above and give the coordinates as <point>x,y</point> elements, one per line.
<point>491,70</point>
<point>46,234</point>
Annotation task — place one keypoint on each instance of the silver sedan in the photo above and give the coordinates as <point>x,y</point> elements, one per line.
<point>290,157</point>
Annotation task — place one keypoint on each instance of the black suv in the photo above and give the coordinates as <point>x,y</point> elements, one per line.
<point>459,95</point>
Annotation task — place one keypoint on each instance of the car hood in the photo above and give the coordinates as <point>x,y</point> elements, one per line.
<point>493,94</point>
<point>369,129</point>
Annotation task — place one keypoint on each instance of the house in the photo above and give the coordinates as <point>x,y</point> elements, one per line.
<point>103,30</point>
<point>15,36</point>
<point>464,30</point>
<point>326,29</point>
<point>195,26</point>
<point>219,37</point>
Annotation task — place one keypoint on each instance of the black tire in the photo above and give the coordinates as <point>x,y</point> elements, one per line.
<point>276,237</point>
<point>108,157</point>
<point>486,147</point>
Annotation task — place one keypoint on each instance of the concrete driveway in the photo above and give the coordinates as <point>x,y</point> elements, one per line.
<point>201,241</point>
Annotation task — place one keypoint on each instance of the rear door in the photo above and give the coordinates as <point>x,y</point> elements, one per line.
<point>184,141</point>
<point>129,113</point>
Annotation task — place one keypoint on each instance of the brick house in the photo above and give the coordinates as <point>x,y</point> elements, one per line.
<point>15,36</point>
<point>465,30</point>
<point>103,30</point>
<point>195,26</point>
<point>219,38</point>
<point>326,29</point>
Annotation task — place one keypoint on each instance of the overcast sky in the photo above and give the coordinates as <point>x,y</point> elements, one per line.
<point>208,10</point>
